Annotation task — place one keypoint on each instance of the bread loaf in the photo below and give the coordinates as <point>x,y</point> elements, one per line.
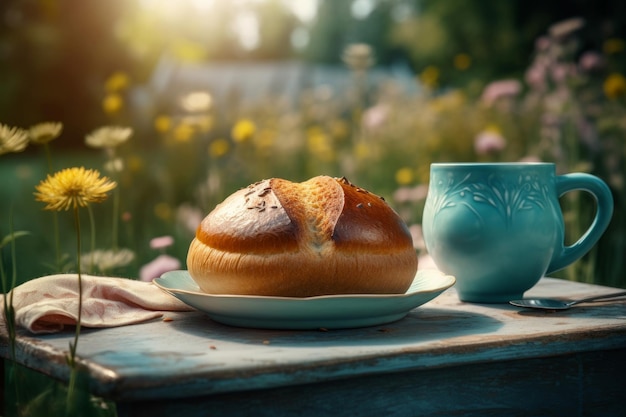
<point>323,236</point>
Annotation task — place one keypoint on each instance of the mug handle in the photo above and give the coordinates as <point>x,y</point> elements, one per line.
<point>604,211</point>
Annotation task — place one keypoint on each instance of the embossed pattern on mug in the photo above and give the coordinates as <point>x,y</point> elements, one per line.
<point>525,192</point>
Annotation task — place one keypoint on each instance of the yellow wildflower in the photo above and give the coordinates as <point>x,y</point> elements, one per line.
<point>613,46</point>
<point>112,103</point>
<point>218,148</point>
<point>197,101</point>
<point>135,163</point>
<point>204,124</point>
<point>243,130</point>
<point>362,151</point>
<point>73,188</point>
<point>319,144</point>
<point>45,132</point>
<point>108,136</point>
<point>12,139</point>
<point>430,76</point>
<point>188,51</point>
<point>615,86</point>
<point>358,56</point>
<point>339,129</point>
<point>404,176</point>
<point>163,211</point>
<point>118,81</point>
<point>162,123</point>
<point>462,62</point>
<point>265,139</point>
<point>183,132</point>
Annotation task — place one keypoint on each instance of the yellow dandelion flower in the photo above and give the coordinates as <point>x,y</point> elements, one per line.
<point>613,46</point>
<point>118,81</point>
<point>404,176</point>
<point>218,148</point>
<point>135,163</point>
<point>243,130</point>
<point>108,136</point>
<point>112,103</point>
<point>362,151</point>
<point>265,139</point>
<point>12,139</point>
<point>163,211</point>
<point>162,123</point>
<point>319,144</point>
<point>339,129</point>
<point>430,76</point>
<point>45,132</point>
<point>73,188</point>
<point>614,86</point>
<point>462,62</point>
<point>183,132</point>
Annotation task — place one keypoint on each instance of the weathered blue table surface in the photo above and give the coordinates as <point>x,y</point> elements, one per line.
<point>444,358</point>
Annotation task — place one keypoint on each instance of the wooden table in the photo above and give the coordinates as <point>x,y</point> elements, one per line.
<point>445,358</point>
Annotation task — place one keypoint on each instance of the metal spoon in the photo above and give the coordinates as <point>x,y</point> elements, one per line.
<point>551,304</point>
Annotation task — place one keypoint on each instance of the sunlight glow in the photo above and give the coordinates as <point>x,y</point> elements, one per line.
<point>195,19</point>
<point>246,27</point>
<point>305,10</point>
<point>360,9</point>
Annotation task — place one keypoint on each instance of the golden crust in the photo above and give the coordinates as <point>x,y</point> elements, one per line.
<point>322,236</point>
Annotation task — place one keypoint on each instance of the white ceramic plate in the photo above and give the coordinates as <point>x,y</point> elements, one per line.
<point>328,311</point>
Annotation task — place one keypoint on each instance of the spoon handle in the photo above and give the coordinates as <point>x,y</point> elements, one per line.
<point>598,297</point>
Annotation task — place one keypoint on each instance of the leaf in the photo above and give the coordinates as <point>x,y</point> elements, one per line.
<point>11,237</point>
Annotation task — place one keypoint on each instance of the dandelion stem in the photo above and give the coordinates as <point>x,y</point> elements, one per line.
<point>92,225</point>
<point>74,345</point>
<point>9,311</point>
<point>116,208</point>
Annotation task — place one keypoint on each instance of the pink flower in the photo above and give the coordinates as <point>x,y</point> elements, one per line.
<point>591,61</point>
<point>161,242</point>
<point>488,142</point>
<point>417,236</point>
<point>501,89</point>
<point>411,194</point>
<point>375,116</point>
<point>530,158</point>
<point>189,217</point>
<point>542,43</point>
<point>159,266</point>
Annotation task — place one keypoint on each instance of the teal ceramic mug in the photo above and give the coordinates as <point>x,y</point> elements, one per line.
<point>498,227</point>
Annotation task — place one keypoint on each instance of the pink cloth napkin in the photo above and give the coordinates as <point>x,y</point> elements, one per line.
<point>47,304</point>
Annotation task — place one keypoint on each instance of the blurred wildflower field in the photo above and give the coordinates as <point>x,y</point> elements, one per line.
<point>568,109</point>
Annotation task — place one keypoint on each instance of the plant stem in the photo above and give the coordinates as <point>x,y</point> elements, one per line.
<point>9,310</point>
<point>74,345</point>
<point>116,208</point>
<point>92,225</point>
